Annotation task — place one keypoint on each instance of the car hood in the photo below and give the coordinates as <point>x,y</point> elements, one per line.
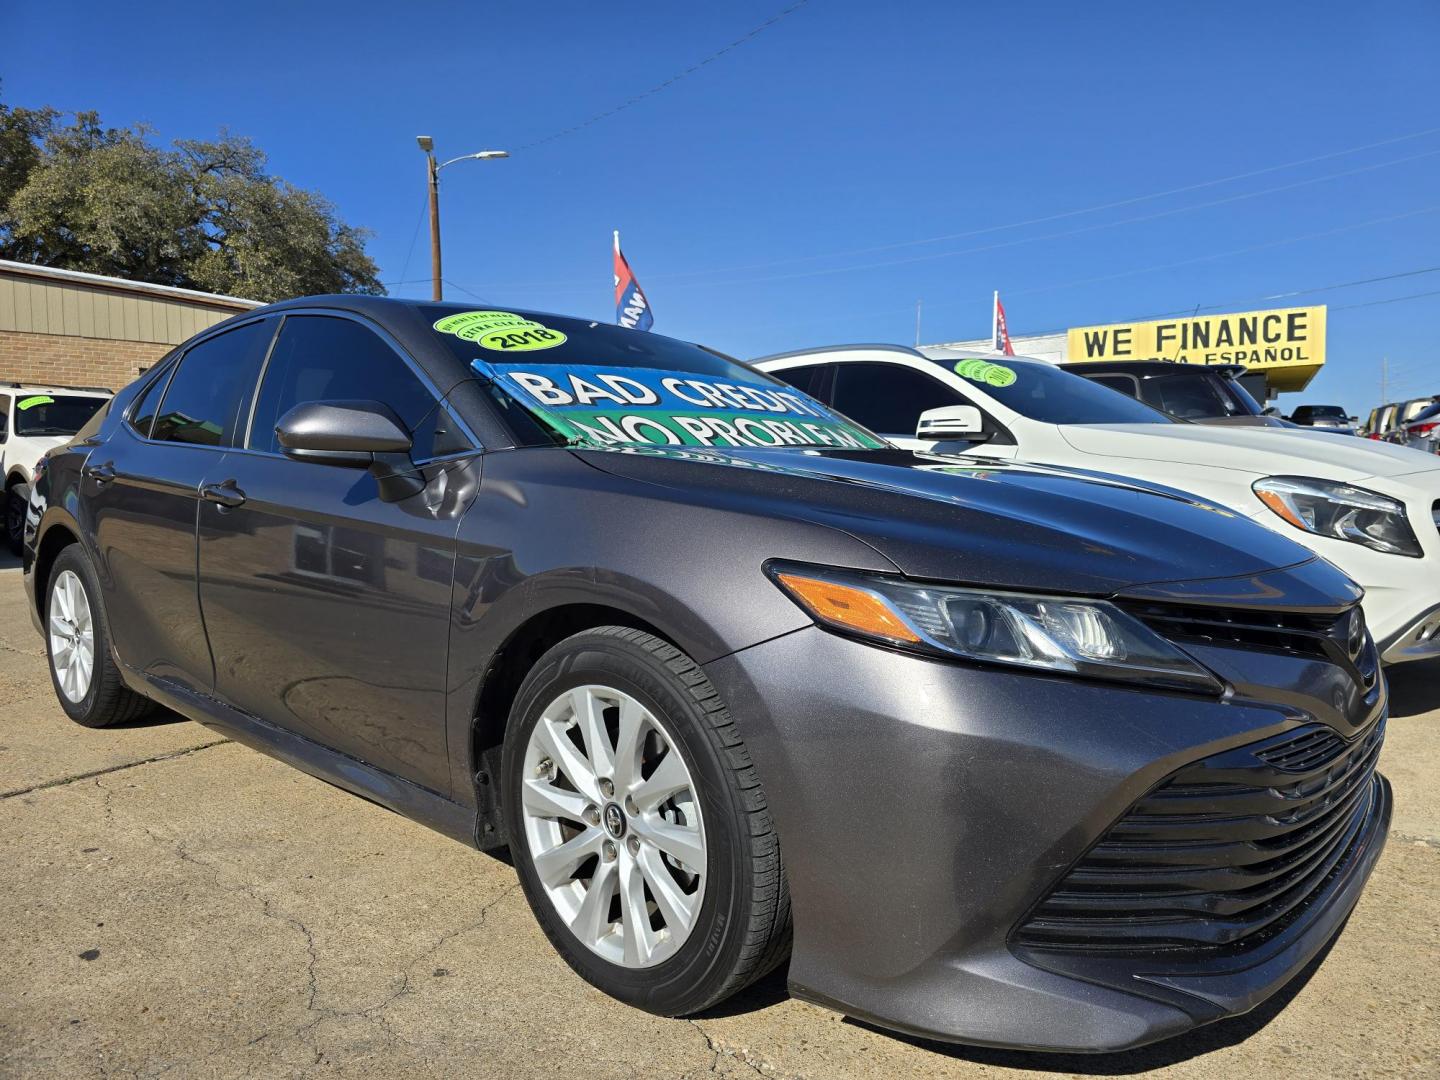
<point>1260,451</point>
<point>998,524</point>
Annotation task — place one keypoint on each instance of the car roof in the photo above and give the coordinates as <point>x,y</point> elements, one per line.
<point>1146,369</point>
<point>18,388</point>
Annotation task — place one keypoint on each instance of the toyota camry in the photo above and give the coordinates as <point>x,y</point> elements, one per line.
<point>988,752</point>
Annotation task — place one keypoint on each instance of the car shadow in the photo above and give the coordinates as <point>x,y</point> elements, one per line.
<point>1414,687</point>
<point>1181,1048</point>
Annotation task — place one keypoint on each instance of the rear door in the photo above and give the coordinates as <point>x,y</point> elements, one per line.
<point>328,609</point>
<point>141,488</point>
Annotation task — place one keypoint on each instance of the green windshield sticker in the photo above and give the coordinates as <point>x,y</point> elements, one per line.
<point>983,371</point>
<point>502,331</point>
<point>31,402</point>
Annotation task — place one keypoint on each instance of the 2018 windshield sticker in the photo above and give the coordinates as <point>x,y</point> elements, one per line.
<point>31,402</point>
<point>984,371</point>
<point>649,406</point>
<point>503,331</point>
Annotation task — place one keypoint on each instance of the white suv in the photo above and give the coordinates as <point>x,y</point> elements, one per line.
<point>33,418</point>
<point>1371,508</point>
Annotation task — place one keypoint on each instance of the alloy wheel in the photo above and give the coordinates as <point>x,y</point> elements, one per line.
<point>613,824</point>
<point>72,636</point>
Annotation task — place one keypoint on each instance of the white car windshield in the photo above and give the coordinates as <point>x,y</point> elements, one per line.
<point>1045,393</point>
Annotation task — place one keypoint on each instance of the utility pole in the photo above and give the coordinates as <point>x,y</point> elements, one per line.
<point>1384,380</point>
<point>436,292</point>
<point>917,323</point>
<point>432,173</point>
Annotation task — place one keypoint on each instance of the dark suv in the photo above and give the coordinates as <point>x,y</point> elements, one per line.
<point>1201,393</point>
<point>1018,756</point>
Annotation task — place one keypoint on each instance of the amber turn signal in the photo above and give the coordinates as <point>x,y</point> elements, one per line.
<point>1282,507</point>
<point>847,607</point>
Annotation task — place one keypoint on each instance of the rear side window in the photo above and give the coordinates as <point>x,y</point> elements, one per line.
<point>4,418</point>
<point>321,358</point>
<point>813,379</point>
<point>889,398</point>
<point>202,402</point>
<point>1124,383</point>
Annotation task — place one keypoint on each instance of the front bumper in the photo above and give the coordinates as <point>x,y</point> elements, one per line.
<point>924,808</point>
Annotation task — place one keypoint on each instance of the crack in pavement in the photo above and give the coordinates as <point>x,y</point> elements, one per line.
<point>741,1057</point>
<point>1418,841</point>
<point>62,781</point>
<point>307,1032</point>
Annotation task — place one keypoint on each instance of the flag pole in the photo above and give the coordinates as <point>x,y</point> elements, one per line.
<point>995,322</point>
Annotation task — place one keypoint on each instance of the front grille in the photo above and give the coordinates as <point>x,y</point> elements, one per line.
<point>1325,637</point>
<point>1290,631</point>
<point>1223,855</point>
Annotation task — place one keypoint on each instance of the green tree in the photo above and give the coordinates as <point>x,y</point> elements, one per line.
<point>200,215</point>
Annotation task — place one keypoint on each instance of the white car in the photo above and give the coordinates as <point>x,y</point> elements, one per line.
<point>1371,508</point>
<point>34,418</point>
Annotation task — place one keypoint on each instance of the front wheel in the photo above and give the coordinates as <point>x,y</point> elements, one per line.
<point>638,825</point>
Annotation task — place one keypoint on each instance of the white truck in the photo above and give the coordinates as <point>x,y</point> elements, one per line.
<point>33,418</point>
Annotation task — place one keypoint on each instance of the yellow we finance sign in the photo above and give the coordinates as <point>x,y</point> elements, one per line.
<point>1287,344</point>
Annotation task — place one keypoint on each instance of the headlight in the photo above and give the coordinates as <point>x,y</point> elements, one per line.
<point>1340,511</point>
<point>1052,633</point>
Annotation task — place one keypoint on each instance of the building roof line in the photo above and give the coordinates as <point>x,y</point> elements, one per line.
<point>143,288</point>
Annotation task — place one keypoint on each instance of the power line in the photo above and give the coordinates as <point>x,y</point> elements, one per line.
<point>1062,234</point>
<point>1081,211</point>
<point>629,102</point>
<point>1392,300</point>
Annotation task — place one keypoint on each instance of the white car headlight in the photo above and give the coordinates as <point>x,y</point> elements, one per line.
<point>1059,634</point>
<point>1340,511</point>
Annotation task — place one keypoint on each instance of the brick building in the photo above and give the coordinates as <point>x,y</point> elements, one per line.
<point>68,328</point>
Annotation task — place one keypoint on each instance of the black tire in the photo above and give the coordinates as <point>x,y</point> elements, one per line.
<point>108,700</point>
<point>743,927</point>
<point>17,498</point>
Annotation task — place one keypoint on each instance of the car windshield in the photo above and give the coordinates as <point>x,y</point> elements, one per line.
<point>1045,393</point>
<point>1196,395</point>
<point>54,414</point>
<point>1431,413</point>
<point>1322,412</point>
<point>583,383</point>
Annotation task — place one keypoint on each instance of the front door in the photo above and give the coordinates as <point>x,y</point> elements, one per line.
<point>328,609</point>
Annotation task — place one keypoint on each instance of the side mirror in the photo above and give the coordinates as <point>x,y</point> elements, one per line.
<point>1354,419</point>
<point>956,422</point>
<point>1271,411</point>
<point>353,434</point>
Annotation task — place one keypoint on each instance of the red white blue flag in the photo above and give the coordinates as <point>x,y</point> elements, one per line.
<point>999,332</point>
<point>632,308</point>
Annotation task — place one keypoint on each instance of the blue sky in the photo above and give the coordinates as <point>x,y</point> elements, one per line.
<point>774,197</point>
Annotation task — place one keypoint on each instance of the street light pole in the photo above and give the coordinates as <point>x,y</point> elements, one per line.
<point>436,292</point>
<point>432,172</point>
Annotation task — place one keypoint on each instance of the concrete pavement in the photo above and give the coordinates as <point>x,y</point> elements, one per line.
<point>178,905</point>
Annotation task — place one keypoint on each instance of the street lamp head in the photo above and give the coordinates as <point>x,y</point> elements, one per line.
<point>486,155</point>
<point>426,142</point>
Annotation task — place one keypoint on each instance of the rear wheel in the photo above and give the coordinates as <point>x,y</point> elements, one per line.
<point>638,825</point>
<point>17,498</point>
<point>77,637</point>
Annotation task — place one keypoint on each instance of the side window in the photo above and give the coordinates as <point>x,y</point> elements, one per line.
<point>889,398</point>
<point>1124,383</point>
<point>142,413</point>
<point>4,418</point>
<point>813,379</point>
<point>202,402</point>
<point>321,358</point>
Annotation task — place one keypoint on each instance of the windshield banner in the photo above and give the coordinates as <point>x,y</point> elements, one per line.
<point>624,406</point>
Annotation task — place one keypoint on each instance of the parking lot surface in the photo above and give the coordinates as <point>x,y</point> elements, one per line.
<point>176,904</point>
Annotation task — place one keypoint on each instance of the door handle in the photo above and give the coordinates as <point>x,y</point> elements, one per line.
<point>101,474</point>
<point>225,495</point>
